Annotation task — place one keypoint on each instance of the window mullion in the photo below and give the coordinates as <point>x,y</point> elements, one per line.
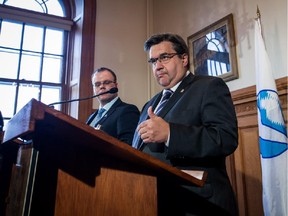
<point>19,68</point>
<point>41,63</point>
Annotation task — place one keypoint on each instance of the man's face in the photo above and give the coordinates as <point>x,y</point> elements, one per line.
<point>170,71</point>
<point>103,81</point>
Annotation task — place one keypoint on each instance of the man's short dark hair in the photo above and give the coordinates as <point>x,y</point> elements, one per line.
<point>101,69</point>
<point>179,45</point>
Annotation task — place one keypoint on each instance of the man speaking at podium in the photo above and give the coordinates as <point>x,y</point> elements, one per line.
<point>114,117</point>
<point>191,125</point>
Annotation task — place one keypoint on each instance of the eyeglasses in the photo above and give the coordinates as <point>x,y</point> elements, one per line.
<point>105,82</point>
<point>163,58</point>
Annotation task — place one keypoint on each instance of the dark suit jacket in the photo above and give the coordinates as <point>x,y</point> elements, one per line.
<point>203,131</point>
<point>120,121</point>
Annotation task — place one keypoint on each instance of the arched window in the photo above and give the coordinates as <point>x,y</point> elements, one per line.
<point>52,7</point>
<point>33,50</point>
<point>216,43</point>
<point>47,47</point>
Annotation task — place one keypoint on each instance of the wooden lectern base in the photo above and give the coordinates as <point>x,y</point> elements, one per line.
<point>65,167</point>
<point>115,192</point>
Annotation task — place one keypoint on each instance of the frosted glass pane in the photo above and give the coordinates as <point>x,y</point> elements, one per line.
<point>9,63</point>
<point>52,6</point>
<point>7,97</point>
<point>55,8</point>
<point>26,93</point>
<point>54,42</point>
<point>27,4</point>
<point>30,67</point>
<point>51,95</point>
<point>33,38</point>
<point>51,69</point>
<point>10,34</point>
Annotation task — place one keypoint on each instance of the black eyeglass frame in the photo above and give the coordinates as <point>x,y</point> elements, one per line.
<point>105,82</point>
<point>163,58</point>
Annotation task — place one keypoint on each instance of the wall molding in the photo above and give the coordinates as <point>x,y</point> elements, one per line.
<point>245,99</point>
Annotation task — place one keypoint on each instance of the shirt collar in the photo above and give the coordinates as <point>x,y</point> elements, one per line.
<point>109,105</point>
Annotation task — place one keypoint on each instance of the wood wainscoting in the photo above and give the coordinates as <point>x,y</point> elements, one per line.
<point>244,167</point>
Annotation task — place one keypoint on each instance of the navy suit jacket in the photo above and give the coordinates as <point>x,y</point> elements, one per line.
<point>120,121</point>
<point>203,131</point>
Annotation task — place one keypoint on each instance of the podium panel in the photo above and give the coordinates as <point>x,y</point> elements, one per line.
<point>65,167</point>
<point>115,193</point>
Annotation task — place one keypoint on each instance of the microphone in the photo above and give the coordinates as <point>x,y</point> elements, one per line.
<point>111,91</point>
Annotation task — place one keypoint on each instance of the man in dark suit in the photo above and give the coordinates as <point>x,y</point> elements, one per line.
<point>195,130</point>
<point>117,118</point>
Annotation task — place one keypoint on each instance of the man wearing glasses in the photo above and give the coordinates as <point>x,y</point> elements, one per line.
<point>190,125</point>
<point>114,117</point>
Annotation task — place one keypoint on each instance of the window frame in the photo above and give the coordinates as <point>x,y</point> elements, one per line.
<point>80,57</point>
<point>45,21</point>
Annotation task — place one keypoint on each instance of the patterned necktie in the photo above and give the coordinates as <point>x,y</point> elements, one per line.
<point>98,116</point>
<point>165,97</point>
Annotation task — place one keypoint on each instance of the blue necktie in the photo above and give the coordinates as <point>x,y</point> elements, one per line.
<point>99,114</point>
<point>165,97</point>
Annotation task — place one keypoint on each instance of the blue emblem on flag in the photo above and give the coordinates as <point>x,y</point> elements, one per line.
<point>272,119</point>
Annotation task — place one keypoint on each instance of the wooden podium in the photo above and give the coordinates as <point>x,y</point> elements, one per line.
<point>65,167</point>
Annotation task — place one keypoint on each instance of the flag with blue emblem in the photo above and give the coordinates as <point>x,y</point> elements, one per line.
<point>272,133</point>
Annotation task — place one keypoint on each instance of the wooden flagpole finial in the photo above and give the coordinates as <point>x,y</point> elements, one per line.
<point>258,13</point>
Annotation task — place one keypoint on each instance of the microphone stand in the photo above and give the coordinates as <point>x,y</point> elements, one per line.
<point>111,91</point>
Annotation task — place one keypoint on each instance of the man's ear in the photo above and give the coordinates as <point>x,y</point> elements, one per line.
<point>185,60</point>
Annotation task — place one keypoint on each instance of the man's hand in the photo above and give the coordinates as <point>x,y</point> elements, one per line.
<point>154,129</point>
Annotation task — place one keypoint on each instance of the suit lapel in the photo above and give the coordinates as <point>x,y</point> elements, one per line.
<point>110,111</point>
<point>171,102</point>
<point>177,94</point>
<point>90,119</point>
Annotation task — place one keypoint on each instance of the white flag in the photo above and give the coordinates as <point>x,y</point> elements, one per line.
<point>272,134</point>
